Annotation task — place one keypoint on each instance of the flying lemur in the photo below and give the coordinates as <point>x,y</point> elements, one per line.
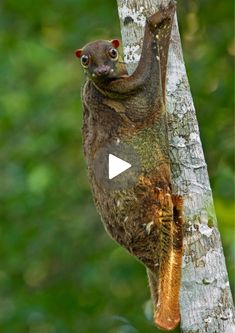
<point>127,113</point>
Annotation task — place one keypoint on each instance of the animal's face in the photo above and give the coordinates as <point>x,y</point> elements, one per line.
<point>100,60</point>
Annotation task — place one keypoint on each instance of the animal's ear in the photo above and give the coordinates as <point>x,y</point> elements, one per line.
<point>78,53</point>
<point>115,43</point>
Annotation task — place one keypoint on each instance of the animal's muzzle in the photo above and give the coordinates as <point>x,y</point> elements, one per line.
<point>102,71</point>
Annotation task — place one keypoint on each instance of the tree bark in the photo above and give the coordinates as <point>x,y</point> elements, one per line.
<point>206,300</point>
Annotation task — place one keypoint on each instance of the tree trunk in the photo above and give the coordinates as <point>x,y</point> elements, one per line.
<point>206,301</point>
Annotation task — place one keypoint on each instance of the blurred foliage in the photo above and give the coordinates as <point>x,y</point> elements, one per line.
<point>60,272</point>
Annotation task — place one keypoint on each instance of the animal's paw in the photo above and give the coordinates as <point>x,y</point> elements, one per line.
<point>178,201</point>
<point>164,13</point>
<point>163,196</point>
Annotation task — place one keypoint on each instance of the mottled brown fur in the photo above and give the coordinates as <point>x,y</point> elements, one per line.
<point>145,218</point>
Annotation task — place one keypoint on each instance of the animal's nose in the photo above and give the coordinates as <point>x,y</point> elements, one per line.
<point>102,70</point>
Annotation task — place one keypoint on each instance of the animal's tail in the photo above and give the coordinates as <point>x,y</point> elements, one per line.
<point>165,285</point>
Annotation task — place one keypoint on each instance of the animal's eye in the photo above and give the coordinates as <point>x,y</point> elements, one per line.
<point>84,60</point>
<point>113,53</point>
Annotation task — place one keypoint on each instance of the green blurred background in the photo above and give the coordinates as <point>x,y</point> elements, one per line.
<point>59,271</point>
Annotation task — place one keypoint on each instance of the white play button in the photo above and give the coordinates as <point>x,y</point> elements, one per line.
<point>117,166</point>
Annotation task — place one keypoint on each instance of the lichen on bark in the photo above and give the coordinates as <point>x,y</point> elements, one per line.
<point>206,300</point>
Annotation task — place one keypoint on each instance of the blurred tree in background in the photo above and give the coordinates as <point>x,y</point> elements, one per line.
<point>59,271</point>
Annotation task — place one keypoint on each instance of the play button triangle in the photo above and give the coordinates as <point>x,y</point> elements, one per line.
<point>117,166</point>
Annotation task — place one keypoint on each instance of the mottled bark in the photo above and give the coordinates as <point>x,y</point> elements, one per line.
<point>206,301</point>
